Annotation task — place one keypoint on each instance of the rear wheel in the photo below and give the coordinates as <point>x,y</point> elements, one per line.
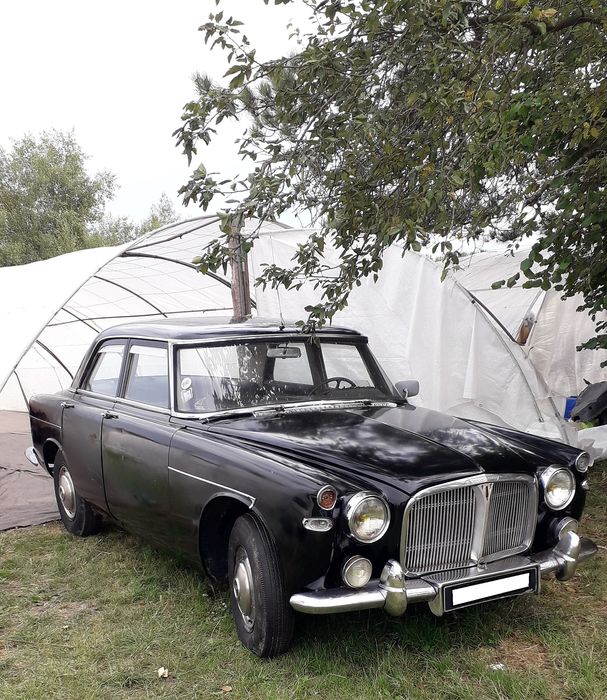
<point>260,605</point>
<point>76,514</point>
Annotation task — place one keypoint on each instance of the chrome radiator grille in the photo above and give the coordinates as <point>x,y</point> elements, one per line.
<point>471,520</point>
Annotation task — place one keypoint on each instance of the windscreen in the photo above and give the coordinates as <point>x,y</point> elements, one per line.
<point>260,373</point>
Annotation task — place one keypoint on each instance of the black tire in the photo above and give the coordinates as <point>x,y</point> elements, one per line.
<point>268,630</point>
<point>78,518</point>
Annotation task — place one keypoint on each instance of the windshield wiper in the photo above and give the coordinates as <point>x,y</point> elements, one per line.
<point>257,411</point>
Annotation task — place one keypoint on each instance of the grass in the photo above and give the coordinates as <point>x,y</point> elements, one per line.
<point>96,618</point>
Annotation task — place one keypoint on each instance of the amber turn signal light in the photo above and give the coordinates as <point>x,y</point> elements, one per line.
<point>326,497</point>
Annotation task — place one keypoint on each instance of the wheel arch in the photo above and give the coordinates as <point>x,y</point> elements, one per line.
<point>215,524</point>
<point>50,449</point>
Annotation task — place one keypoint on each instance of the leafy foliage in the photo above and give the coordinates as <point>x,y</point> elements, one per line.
<point>48,201</point>
<point>423,122</point>
<point>50,205</point>
<point>116,230</point>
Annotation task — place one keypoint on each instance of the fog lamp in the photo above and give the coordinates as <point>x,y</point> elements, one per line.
<point>563,526</point>
<point>357,572</point>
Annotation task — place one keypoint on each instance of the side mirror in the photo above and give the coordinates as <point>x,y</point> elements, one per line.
<point>408,387</point>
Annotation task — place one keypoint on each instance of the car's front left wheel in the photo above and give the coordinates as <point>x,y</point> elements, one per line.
<point>260,604</point>
<point>76,514</point>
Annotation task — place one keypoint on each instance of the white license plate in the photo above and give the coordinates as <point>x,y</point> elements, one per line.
<point>490,589</point>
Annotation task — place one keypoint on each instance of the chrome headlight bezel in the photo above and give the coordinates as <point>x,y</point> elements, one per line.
<point>583,461</point>
<point>546,478</point>
<point>352,507</point>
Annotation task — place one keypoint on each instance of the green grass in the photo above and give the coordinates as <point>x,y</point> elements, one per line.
<point>96,618</point>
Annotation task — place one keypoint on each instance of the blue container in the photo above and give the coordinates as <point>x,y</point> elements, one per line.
<point>569,405</point>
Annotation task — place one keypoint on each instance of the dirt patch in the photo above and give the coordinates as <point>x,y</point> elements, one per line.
<point>64,611</point>
<point>518,654</point>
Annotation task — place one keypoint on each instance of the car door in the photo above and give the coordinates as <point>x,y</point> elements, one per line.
<point>83,416</point>
<point>135,443</point>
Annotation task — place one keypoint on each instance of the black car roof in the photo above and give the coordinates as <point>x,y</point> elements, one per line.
<point>200,328</point>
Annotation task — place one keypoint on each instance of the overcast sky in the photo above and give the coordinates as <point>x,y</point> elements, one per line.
<point>119,73</point>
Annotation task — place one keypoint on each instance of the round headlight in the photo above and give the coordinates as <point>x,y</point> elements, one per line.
<point>583,461</point>
<point>368,516</point>
<point>559,487</point>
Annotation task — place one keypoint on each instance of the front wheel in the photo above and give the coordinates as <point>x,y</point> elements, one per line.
<point>76,514</point>
<point>260,605</point>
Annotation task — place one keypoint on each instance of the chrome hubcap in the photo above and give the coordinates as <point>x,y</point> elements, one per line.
<point>242,586</point>
<point>67,494</point>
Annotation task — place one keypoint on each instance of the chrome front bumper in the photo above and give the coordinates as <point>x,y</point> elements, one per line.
<point>394,592</point>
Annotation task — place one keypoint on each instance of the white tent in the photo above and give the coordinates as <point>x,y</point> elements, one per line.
<point>52,309</point>
<point>418,327</point>
<point>555,325</point>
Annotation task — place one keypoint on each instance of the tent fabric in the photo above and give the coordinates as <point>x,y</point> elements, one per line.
<point>558,326</point>
<point>427,330</point>
<point>53,309</point>
<point>26,491</point>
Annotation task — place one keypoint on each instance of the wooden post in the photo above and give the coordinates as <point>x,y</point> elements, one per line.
<point>239,266</point>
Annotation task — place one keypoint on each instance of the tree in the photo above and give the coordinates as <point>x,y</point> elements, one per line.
<point>425,122</point>
<point>116,230</point>
<point>48,201</point>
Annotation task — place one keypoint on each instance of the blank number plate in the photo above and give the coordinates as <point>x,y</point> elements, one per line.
<point>459,596</point>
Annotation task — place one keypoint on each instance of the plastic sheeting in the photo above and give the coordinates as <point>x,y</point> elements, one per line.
<point>431,331</point>
<point>52,309</point>
<point>557,330</point>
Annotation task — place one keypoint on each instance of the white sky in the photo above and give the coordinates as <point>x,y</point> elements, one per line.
<point>119,73</point>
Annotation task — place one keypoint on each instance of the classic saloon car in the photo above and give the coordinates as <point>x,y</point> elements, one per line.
<point>289,465</point>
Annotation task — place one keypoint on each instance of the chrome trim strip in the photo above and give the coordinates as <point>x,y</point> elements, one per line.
<point>214,483</point>
<point>482,496</point>
<point>318,524</point>
<point>31,456</point>
<point>258,411</point>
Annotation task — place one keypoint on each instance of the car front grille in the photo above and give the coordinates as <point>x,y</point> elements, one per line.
<point>464,522</point>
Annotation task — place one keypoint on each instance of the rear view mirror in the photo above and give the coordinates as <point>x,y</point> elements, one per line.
<point>283,352</point>
<point>408,387</point>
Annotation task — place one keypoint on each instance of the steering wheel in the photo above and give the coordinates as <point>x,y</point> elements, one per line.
<point>339,380</point>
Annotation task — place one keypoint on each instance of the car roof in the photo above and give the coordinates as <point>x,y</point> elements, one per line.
<point>205,327</point>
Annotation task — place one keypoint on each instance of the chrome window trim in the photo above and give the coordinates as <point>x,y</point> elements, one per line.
<point>258,411</point>
<point>479,531</point>
<point>138,404</point>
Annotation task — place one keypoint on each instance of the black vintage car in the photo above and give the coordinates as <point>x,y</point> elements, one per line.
<point>289,465</point>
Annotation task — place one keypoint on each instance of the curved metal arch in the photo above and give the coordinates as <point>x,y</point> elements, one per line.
<point>176,235</point>
<point>212,275</point>
<point>130,291</point>
<point>52,354</point>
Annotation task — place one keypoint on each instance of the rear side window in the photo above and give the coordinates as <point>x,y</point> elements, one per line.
<point>148,375</point>
<point>104,375</point>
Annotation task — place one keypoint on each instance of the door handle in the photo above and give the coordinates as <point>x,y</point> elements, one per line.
<point>67,404</point>
<point>109,414</point>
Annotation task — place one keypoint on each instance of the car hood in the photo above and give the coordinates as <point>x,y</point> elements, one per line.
<point>405,447</point>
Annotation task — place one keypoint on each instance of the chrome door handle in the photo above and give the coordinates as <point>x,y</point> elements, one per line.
<point>109,414</point>
<point>67,404</point>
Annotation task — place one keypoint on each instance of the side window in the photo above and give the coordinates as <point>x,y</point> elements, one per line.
<point>293,370</point>
<point>342,360</point>
<point>104,375</point>
<point>148,375</point>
